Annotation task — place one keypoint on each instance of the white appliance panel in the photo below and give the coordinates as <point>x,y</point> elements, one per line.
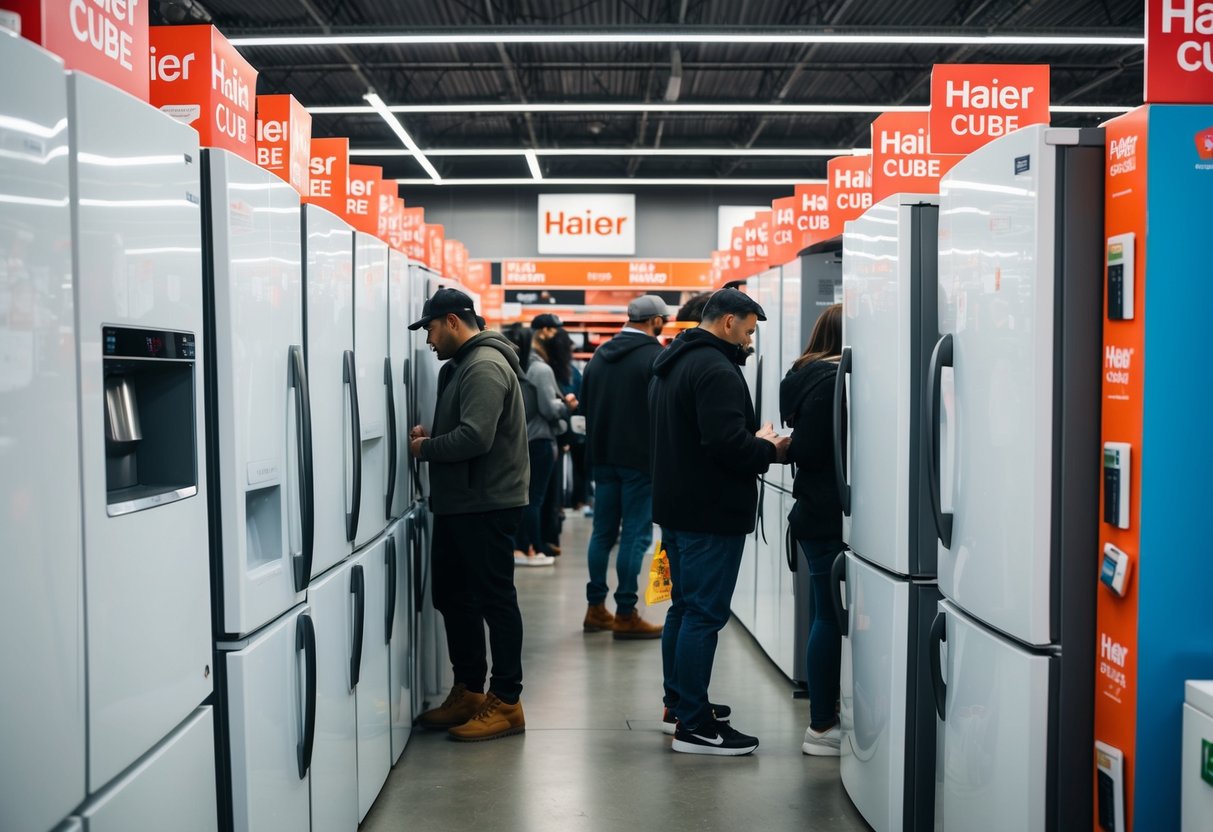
<point>267,695</point>
<point>425,369</point>
<point>398,349</point>
<point>996,730</point>
<point>793,343</point>
<point>785,629</point>
<point>42,594</point>
<point>768,345</point>
<point>400,658</point>
<point>373,706</point>
<point>137,237</point>
<point>258,319</point>
<point>747,584</point>
<point>996,283</point>
<point>874,714</point>
<point>334,770</point>
<point>371,353</point>
<point>1196,795</point>
<point>769,564</point>
<point>175,780</point>
<point>328,264</point>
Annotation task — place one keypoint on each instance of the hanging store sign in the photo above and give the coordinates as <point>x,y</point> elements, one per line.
<point>328,174</point>
<point>901,161</point>
<point>783,230</point>
<point>813,215</point>
<point>413,230</point>
<point>284,139</point>
<point>607,274</point>
<point>736,254</point>
<point>973,104</point>
<point>435,245</point>
<point>587,223</point>
<point>362,198</point>
<point>390,209</point>
<point>1179,52</point>
<point>848,188</point>
<point>757,253</point>
<point>718,267</point>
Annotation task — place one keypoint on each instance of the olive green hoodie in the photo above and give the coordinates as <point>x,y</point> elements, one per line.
<point>478,452</point>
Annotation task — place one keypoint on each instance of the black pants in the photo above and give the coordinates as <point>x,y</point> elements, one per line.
<point>580,495</point>
<point>550,521</point>
<point>473,563</point>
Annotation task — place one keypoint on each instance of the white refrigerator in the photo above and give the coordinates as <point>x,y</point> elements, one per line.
<point>42,751</point>
<point>396,374</point>
<point>137,241</point>
<point>371,358</point>
<point>889,282</point>
<point>1015,385</point>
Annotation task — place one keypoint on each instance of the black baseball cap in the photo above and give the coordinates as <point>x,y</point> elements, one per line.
<point>445,302</point>
<point>546,320</point>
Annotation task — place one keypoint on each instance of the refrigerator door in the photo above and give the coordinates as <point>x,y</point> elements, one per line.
<point>425,372</point>
<point>768,565</point>
<point>332,601</point>
<point>374,708</point>
<point>747,578</point>
<point>400,648</point>
<point>137,236</point>
<point>996,730</point>
<point>328,264</point>
<point>793,340</point>
<point>785,629</point>
<point>174,780</point>
<point>269,684</point>
<point>42,594</point>
<point>770,298</point>
<point>397,371</point>
<point>259,417</point>
<point>371,355</point>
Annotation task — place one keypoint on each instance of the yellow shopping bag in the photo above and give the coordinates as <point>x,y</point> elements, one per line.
<point>658,590</point>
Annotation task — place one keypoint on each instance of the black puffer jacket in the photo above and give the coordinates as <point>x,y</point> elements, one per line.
<point>806,400</point>
<point>706,459</point>
<point>614,399</point>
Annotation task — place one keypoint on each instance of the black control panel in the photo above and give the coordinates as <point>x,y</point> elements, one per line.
<point>120,342</point>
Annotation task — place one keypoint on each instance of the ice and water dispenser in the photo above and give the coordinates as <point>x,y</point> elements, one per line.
<point>150,434</point>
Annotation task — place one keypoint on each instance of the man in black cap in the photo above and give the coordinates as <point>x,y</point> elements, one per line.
<point>614,398</point>
<point>478,486</point>
<point>708,452</point>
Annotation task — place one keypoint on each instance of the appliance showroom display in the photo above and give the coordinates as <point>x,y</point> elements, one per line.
<point>1015,406</point>
<point>889,328</point>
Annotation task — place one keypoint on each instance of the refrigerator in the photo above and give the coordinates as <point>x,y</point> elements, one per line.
<point>371,358</point>
<point>42,754</point>
<point>371,682</point>
<point>137,240</point>
<point>402,626</point>
<point>890,285</point>
<point>1014,402</point>
<point>396,373</point>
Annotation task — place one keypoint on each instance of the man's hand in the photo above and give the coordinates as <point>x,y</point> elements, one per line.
<point>571,401</point>
<point>768,433</point>
<point>782,445</point>
<point>418,432</point>
<point>415,445</point>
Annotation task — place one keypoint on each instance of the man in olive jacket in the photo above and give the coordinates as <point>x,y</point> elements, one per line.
<point>478,483</point>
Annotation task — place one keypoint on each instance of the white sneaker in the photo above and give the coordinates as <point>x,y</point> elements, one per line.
<point>533,560</point>
<point>825,744</point>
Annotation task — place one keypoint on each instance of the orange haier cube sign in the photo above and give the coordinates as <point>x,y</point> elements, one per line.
<point>973,104</point>
<point>812,214</point>
<point>362,198</point>
<point>284,139</point>
<point>105,38</point>
<point>901,163</point>
<point>328,174</point>
<point>849,188</point>
<point>435,245</point>
<point>200,79</point>
<point>782,247</point>
<point>1179,52</point>
<point>413,229</point>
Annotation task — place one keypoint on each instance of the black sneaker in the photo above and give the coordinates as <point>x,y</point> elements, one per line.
<point>669,722</point>
<point>714,738</point>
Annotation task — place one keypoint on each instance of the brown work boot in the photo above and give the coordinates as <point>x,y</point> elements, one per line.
<point>460,706</point>
<point>632,626</point>
<point>597,619</point>
<point>494,719</point>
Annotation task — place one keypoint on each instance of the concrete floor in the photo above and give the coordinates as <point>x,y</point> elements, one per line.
<point>594,757</point>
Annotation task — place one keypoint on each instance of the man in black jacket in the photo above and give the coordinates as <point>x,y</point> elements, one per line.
<point>708,452</point>
<point>614,398</point>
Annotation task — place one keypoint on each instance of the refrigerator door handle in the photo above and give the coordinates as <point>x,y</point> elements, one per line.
<point>389,618</point>
<point>358,590</point>
<point>761,519</point>
<point>302,562</point>
<point>418,579</point>
<point>838,577</point>
<point>305,640</point>
<point>840,389</point>
<point>391,436</point>
<point>939,634</point>
<point>789,552</point>
<point>941,357</point>
<point>351,379</point>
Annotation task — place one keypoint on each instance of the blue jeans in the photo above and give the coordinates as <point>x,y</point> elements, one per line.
<point>824,664</point>
<point>542,453</point>
<point>703,571</point>
<point>621,495</point>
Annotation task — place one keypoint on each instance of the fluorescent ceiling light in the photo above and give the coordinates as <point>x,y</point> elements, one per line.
<point>686,36</point>
<point>610,151</point>
<point>379,107</point>
<point>619,182</point>
<point>660,107</point>
<point>533,164</point>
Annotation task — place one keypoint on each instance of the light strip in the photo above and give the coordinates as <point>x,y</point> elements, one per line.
<point>533,164</point>
<point>660,107</point>
<point>619,182</point>
<point>610,151</point>
<point>674,36</point>
<point>379,107</point>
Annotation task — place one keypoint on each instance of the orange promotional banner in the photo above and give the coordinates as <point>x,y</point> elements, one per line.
<point>455,256</point>
<point>211,87</point>
<point>414,234</point>
<point>435,243</point>
<point>783,231</point>
<point>284,139</point>
<point>389,219</point>
<point>719,266</point>
<point>813,215</point>
<point>362,199</point>
<point>1179,52</point>
<point>491,302</point>
<point>328,174</point>
<point>607,274</point>
<point>396,237</point>
<point>735,271</point>
<point>849,189</point>
<point>901,163</point>
<point>756,255</point>
<point>108,40</point>
<point>972,104</point>
<point>479,277</point>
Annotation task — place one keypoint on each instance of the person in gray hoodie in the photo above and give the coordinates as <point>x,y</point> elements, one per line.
<point>478,488</point>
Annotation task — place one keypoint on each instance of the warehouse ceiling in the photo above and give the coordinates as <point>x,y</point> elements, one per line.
<point>745,68</point>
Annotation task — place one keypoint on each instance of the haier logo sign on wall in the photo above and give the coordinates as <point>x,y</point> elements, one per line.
<point>587,223</point>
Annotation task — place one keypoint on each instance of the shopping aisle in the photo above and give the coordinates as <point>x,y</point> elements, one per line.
<point>594,756</point>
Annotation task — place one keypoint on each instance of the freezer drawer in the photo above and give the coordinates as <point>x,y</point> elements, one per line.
<point>41,597</point>
<point>173,786</point>
<point>400,648</point>
<point>371,356</point>
<point>373,705</point>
